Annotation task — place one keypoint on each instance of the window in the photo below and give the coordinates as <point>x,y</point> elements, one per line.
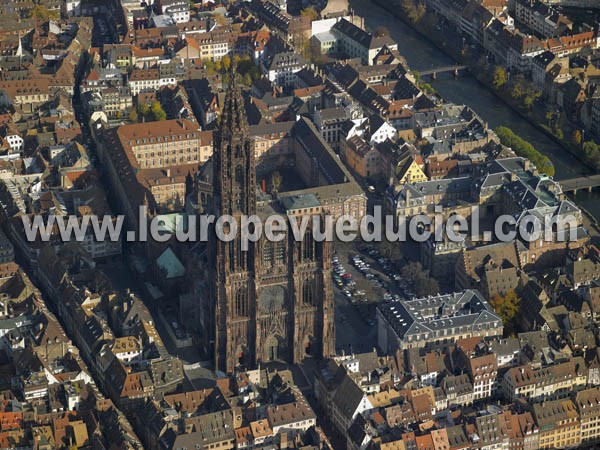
<point>241,302</point>
<point>308,292</point>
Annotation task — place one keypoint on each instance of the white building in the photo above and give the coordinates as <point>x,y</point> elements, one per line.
<point>380,130</point>
<point>355,42</point>
<point>14,141</point>
<point>148,80</point>
<point>283,67</point>
<point>179,10</point>
<point>73,7</point>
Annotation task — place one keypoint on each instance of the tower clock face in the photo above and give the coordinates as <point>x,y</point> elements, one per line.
<point>272,299</point>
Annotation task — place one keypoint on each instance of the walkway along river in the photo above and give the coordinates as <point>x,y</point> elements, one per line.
<point>423,55</point>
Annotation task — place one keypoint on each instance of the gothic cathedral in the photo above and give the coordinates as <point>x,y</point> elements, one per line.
<point>273,302</point>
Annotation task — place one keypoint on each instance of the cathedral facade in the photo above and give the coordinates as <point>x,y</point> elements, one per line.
<point>273,301</point>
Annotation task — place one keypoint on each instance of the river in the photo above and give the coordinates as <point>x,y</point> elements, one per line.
<point>423,55</point>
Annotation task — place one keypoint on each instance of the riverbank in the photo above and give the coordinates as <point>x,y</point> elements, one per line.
<point>590,223</point>
<point>441,44</point>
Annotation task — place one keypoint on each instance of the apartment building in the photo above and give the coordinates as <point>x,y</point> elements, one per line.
<point>24,95</point>
<point>559,424</point>
<point>545,383</point>
<point>178,10</point>
<point>588,405</point>
<point>354,42</point>
<point>214,45</point>
<point>149,80</point>
<point>521,429</point>
<point>162,144</point>
<point>482,368</point>
<point>273,140</point>
<point>542,18</point>
<point>282,68</point>
<point>362,158</point>
<point>11,137</point>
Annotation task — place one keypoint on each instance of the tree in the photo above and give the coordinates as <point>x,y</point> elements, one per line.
<point>411,270</point>
<point>508,307</point>
<point>530,97</point>
<point>133,116</point>
<point>276,180</point>
<point>559,134</point>
<point>499,77</point>
<point>516,90</point>
<point>311,51</point>
<point>247,69</point>
<point>428,23</point>
<point>576,138</point>
<point>423,284</point>
<point>382,31</point>
<point>591,153</point>
<point>209,66</point>
<point>427,88</point>
<point>158,113</point>
<point>40,12</point>
<point>144,110</point>
<point>412,10</point>
<point>310,12</point>
<point>220,19</point>
<point>390,250</point>
<point>226,61</point>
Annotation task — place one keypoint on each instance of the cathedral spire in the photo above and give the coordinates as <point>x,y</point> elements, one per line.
<point>234,152</point>
<point>234,116</point>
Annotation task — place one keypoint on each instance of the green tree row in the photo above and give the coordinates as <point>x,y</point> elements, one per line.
<point>523,148</point>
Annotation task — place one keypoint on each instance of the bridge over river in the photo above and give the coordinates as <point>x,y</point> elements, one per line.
<point>434,72</point>
<point>576,184</point>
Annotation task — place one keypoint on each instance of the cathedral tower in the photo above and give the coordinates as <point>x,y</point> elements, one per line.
<point>273,301</point>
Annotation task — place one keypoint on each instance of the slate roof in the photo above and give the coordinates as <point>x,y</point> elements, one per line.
<point>169,262</point>
<point>437,313</point>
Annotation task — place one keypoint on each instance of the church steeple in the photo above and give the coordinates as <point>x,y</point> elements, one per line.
<point>19,51</point>
<point>235,179</point>
<point>233,118</point>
